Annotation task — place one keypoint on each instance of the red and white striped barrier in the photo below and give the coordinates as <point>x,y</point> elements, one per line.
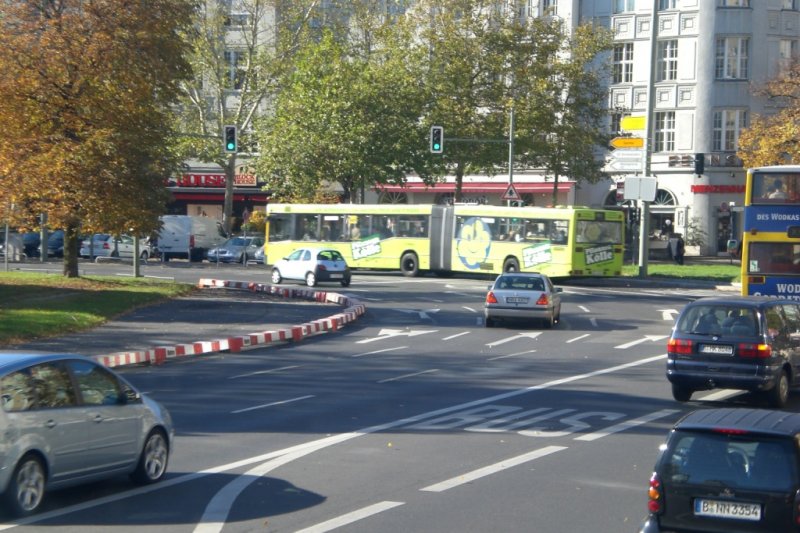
<point>158,355</point>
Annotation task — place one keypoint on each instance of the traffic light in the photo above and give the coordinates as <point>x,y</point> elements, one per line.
<point>437,139</point>
<point>699,163</point>
<point>231,146</point>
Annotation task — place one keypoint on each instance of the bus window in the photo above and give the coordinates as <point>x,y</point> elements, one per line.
<point>593,231</point>
<point>558,231</point>
<point>279,225</point>
<point>773,258</point>
<point>306,228</point>
<point>776,188</point>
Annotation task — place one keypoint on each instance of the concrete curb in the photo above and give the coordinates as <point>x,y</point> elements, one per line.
<point>161,354</point>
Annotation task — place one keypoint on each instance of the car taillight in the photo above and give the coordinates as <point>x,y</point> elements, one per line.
<point>106,246</point>
<point>679,346</point>
<point>491,298</point>
<point>543,300</point>
<point>797,508</point>
<point>761,351</point>
<point>321,267</point>
<point>655,501</point>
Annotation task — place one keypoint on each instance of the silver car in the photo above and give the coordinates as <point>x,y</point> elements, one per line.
<point>236,250</point>
<point>312,265</point>
<point>525,296</point>
<point>67,420</point>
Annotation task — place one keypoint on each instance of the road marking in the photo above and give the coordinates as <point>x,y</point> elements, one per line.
<point>423,313</point>
<point>379,351</point>
<point>305,448</point>
<point>510,355</point>
<point>282,402</point>
<point>388,333</point>
<point>409,375</point>
<point>666,314</point>
<point>349,518</point>
<point>456,335</point>
<point>593,321</point>
<point>264,372</point>
<point>651,338</point>
<point>578,338</point>
<point>584,308</point>
<point>513,338</point>
<point>622,426</point>
<point>492,469</point>
<point>470,309</point>
<point>720,395</point>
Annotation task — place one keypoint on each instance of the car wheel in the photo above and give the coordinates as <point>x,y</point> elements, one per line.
<point>409,265</point>
<point>153,461</point>
<point>144,256</point>
<point>511,265</point>
<point>311,279</point>
<point>25,490</point>
<point>345,282</point>
<point>778,395</point>
<point>276,276</point>
<point>681,394</point>
<point>549,321</point>
<point>243,259</point>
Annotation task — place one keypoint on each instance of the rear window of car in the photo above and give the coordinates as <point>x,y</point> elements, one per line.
<point>523,283</point>
<point>736,461</point>
<point>719,320</point>
<point>330,255</point>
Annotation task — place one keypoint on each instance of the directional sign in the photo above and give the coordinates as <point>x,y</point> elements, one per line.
<point>625,160</point>
<point>511,193</point>
<point>625,165</point>
<point>633,122</point>
<point>627,142</point>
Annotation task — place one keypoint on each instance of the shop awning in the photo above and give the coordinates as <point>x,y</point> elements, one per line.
<point>491,187</point>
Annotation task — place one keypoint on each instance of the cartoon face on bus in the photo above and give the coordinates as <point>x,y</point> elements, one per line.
<point>473,242</point>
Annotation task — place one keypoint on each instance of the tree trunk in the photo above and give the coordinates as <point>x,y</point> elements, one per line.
<point>458,195</point>
<point>71,251</point>
<point>227,210</point>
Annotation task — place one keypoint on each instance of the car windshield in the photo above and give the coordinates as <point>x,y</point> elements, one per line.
<point>238,241</point>
<point>731,460</point>
<point>719,320</point>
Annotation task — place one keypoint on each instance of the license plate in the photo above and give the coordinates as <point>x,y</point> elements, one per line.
<point>516,300</point>
<point>716,349</point>
<point>741,511</point>
<point>336,276</point>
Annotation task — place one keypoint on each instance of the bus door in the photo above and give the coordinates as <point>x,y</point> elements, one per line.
<point>441,237</point>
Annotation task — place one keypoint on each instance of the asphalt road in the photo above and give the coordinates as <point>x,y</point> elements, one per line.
<point>414,418</point>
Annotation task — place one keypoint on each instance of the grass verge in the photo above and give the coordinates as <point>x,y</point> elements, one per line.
<point>710,272</point>
<point>36,306</point>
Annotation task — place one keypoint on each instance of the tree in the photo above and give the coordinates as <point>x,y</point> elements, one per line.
<point>348,112</point>
<point>237,61</point>
<point>775,139</point>
<point>85,92</point>
<point>484,61</point>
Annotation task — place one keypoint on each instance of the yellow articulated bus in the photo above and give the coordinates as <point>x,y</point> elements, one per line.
<point>559,241</point>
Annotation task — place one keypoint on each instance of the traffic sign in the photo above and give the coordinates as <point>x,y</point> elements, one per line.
<point>511,193</point>
<point>627,142</point>
<point>633,122</point>
<point>627,155</point>
<point>625,165</point>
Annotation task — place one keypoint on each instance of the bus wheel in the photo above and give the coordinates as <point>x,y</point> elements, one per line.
<point>511,265</point>
<point>409,265</point>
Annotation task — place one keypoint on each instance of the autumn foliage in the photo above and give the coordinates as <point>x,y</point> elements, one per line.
<point>85,98</point>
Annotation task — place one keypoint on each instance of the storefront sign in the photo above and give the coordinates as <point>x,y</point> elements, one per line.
<point>712,189</point>
<point>214,180</point>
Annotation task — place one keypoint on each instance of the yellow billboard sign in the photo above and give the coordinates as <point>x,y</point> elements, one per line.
<point>633,122</point>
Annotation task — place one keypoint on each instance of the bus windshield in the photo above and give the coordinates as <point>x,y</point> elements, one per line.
<point>775,188</point>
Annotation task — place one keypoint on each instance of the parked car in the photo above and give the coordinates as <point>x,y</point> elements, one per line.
<point>523,296</point>
<point>32,241</point>
<point>260,256</point>
<point>106,245</point>
<point>189,237</point>
<point>55,244</point>
<point>743,342</point>
<point>67,420</point>
<point>731,470</point>
<point>312,265</point>
<point>236,250</point>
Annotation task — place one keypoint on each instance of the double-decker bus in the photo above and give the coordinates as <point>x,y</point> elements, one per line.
<point>771,234</point>
<point>559,241</point>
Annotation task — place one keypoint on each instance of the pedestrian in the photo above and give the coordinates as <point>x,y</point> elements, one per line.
<point>677,248</point>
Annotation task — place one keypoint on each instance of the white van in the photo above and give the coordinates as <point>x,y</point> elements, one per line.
<point>188,236</point>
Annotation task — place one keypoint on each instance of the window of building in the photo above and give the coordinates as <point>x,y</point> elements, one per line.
<point>728,123</point>
<point>549,8</point>
<point>794,5</point>
<point>667,60</point>
<point>666,4</point>
<point>788,51</point>
<point>732,58</point>
<point>621,6</point>
<point>616,121</point>
<point>623,63</point>
<point>733,3</point>
<point>665,132</point>
<point>233,61</point>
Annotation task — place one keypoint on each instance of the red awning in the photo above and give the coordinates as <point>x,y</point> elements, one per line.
<point>493,187</point>
<point>220,197</point>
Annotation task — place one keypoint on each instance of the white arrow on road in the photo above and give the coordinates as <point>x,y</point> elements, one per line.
<point>515,337</point>
<point>423,313</point>
<point>651,338</point>
<point>389,333</point>
<point>666,314</point>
